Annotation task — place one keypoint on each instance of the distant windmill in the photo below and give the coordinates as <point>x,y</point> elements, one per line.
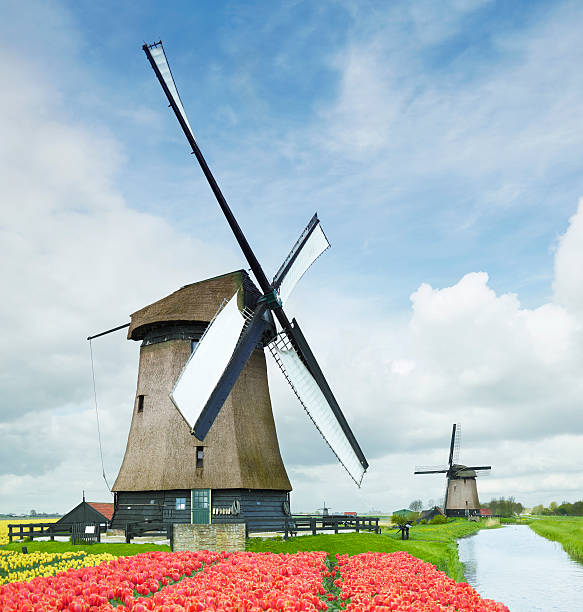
<point>461,494</point>
<point>202,445</point>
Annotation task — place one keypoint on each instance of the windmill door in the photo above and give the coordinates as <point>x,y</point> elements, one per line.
<point>201,506</point>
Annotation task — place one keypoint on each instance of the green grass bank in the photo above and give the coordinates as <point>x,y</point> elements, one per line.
<point>567,530</point>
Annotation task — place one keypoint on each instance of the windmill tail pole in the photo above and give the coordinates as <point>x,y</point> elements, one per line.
<point>108,331</point>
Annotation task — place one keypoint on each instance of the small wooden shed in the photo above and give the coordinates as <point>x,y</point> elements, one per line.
<point>430,514</point>
<point>88,512</point>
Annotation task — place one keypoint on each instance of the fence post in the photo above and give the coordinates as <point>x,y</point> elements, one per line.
<point>10,534</point>
<point>286,525</point>
<point>336,525</point>
<point>313,525</point>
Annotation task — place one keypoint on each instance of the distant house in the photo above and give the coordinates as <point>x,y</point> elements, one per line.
<point>88,512</point>
<point>350,514</point>
<point>485,512</point>
<point>427,515</point>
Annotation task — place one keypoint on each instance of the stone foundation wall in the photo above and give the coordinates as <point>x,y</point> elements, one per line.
<point>209,537</point>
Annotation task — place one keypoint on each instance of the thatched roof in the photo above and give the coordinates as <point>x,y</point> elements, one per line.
<point>241,450</point>
<point>197,302</point>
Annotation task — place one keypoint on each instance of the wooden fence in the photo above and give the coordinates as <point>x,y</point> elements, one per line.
<point>332,522</point>
<point>290,526</point>
<point>40,530</point>
<point>140,529</point>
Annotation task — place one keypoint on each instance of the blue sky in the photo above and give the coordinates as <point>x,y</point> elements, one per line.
<point>440,145</point>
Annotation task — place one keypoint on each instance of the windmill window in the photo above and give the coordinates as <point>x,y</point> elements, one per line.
<point>193,345</point>
<point>199,456</point>
<point>181,503</point>
<point>140,403</point>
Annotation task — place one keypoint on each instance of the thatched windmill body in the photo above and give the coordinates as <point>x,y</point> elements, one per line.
<point>202,445</point>
<point>461,494</point>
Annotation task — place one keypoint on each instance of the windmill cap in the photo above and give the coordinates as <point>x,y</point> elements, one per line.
<point>461,471</point>
<point>197,302</point>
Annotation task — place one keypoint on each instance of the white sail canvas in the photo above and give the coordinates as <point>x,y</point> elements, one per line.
<point>314,246</point>
<point>317,407</point>
<point>208,362</point>
<point>162,63</point>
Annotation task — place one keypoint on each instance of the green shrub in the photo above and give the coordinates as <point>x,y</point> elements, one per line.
<point>438,519</point>
<point>400,519</point>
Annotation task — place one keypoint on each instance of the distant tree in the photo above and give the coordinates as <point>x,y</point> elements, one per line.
<point>430,504</point>
<point>33,512</point>
<point>553,507</point>
<point>565,509</point>
<point>504,507</point>
<point>538,509</point>
<point>416,505</point>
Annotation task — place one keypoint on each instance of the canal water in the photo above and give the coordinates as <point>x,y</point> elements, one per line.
<point>521,569</point>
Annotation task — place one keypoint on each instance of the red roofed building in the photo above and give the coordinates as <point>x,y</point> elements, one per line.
<point>485,512</point>
<point>104,508</point>
<point>88,513</point>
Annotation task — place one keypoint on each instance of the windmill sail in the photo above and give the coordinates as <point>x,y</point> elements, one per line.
<point>304,373</point>
<point>316,405</point>
<point>207,363</point>
<point>251,338</point>
<point>310,245</point>
<point>159,57</point>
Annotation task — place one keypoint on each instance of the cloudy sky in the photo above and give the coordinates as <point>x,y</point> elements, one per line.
<point>441,145</point>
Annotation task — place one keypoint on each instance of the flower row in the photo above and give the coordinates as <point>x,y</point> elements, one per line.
<point>179,581</point>
<point>97,587</point>
<point>399,581</point>
<point>18,567</point>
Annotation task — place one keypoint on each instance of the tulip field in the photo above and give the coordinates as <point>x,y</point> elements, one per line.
<point>203,580</point>
<point>17,567</point>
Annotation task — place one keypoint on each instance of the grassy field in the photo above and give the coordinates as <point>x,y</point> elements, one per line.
<point>567,530</point>
<point>433,543</point>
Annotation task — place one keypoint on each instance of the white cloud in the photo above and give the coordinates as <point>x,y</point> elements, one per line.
<point>568,283</point>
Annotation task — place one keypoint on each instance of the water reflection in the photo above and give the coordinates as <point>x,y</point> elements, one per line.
<point>526,572</point>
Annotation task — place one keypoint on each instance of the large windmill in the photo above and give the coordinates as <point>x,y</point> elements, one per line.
<point>202,445</point>
<point>461,494</point>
